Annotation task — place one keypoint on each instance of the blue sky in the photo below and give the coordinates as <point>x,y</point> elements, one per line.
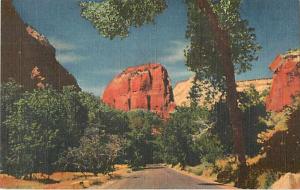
<point>94,60</point>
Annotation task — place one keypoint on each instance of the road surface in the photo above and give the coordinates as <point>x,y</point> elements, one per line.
<point>158,178</point>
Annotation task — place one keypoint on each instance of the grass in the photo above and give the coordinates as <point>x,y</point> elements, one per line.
<point>60,180</point>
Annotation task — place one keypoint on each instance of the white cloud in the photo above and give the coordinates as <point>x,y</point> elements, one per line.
<point>175,53</point>
<point>65,53</point>
<point>61,45</point>
<point>97,91</point>
<point>181,74</point>
<point>107,71</point>
<point>69,57</point>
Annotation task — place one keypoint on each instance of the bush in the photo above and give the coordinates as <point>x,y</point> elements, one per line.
<point>281,147</point>
<point>96,153</point>
<point>39,125</point>
<point>183,137</point>
<point>44,123</point>
<point>226,169</point>
<point>208,147</point>
<point>33,137</point>
<point>141,144</point>
<point>270,178</point>
<point>200,169</point>
<point>253,110</point>
<point>11,92</point>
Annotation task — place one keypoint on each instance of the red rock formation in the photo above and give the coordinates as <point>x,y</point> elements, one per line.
<point>286,81</point>
<point>141,87</point>
<point>27,56</point>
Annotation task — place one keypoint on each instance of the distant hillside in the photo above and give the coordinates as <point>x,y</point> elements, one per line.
<point>181,90</point>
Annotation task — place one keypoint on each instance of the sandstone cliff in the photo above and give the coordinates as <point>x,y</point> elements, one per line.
<point>26,56</point>
<point>141,87</point>
<point>286,80</point>
<point>181,89</point>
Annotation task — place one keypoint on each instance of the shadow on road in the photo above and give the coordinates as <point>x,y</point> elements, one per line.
<point>156,167</point>
<point>210,184</point>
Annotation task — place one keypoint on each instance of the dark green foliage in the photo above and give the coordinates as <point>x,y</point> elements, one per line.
<point>271,177</point>
<point>33,138</point>
<point>142,146</point>
<point>281,142</point>
<point>208,147</point>
<point>41,124</point>
<point>221,126</point>
<point>114,121</point>
<point>96,153</point>
<point>114,17</point>
<point>185,138</point>
<point>253,110</point>
<point>203,55</point>
<point>10,93</point>
<point>195,93</point>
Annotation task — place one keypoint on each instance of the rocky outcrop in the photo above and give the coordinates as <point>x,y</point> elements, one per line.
<point>286,80</point>
<point>288,181</point>
<point>181,90</point>
<point>27,56</point>
<point>141,87</point>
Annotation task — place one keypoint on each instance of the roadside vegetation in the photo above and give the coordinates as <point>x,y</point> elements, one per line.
<point>47,131</point>
<point>236,141</point>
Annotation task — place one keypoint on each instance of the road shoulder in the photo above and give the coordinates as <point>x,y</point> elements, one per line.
<point>202,178</point>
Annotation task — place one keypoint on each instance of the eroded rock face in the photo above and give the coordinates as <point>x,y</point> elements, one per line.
<point>181,90</point>
<point>27,56</point>
<point>286,81</point>
<point>141,87</point>
<point>288,181</point>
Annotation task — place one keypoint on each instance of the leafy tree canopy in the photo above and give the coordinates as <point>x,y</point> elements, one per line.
<point>203,55</point>
<point>114,17</point>
<point>140,140</point>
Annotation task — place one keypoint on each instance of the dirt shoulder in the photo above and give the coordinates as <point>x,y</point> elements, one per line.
<point>61,180</point>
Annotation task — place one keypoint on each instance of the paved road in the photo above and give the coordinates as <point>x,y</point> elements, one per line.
<point>158,178</point>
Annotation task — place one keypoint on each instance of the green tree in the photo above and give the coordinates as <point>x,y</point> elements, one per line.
<point>114,121</point>
<point>10,93</point>
<point>33,133</point>
<point>208,147</point>
<point>252,105</point>
<point>97,153</point>
<point>74,116</point>
<point>221,44</point>
<point>114,18</point>
<point>141,139</point>
<point>180,133</point>
<point>44,124</point>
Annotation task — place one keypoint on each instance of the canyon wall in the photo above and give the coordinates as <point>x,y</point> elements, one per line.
<point>26,56</point>
<point>286,80</point>
<point>181,89</point>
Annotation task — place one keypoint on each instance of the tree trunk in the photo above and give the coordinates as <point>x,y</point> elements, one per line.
<point>223,44</point>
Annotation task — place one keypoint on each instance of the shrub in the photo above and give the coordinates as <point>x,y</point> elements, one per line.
<point>10,93</point>
<point>270,178</point>
<point>253,109</point>
<point>141,145</point>
<point>33,138</point>
<point>207,147</point>
<point>226,169</point>
<point>281,147</point>
<point>44,123</point>
<point>181,134</point>
<point>96,153</point>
